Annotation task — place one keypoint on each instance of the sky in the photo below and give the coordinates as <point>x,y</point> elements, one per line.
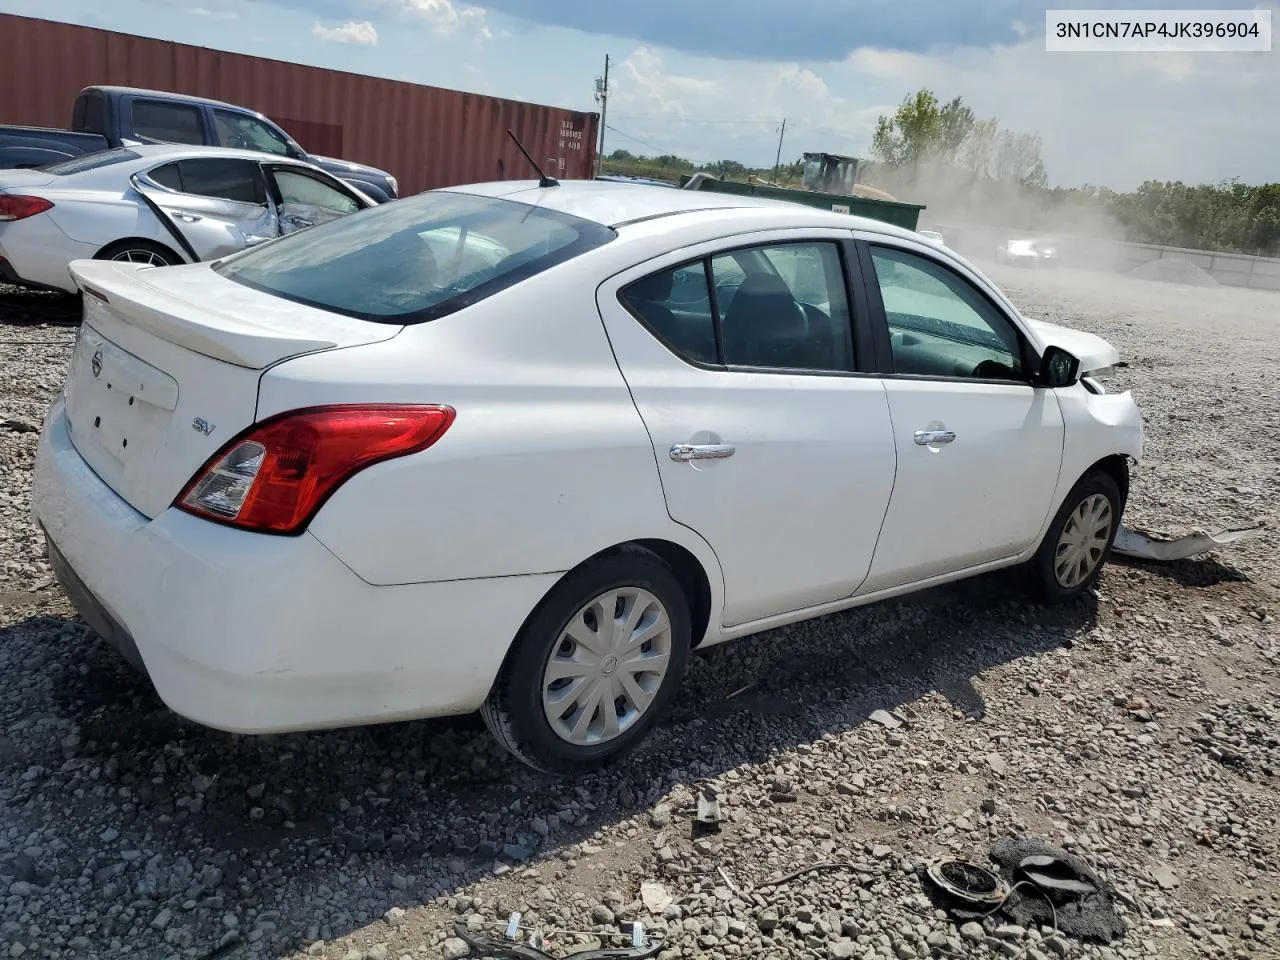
<point>713,80</point>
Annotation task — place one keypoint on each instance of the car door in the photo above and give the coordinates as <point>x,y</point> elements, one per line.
<point>979,448</point>
<point>771,440</point>
<point>307,198</point>
<point>212,206</point>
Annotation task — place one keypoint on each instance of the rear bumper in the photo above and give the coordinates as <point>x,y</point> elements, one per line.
<point>259,634</point>
<point>38,254</point>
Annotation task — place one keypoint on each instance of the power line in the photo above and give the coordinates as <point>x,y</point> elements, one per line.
<point>644,143</point>
<point>675,119</point>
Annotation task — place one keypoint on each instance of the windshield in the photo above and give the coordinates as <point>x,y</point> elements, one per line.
<point>415,259</point>
<point>90,161</point>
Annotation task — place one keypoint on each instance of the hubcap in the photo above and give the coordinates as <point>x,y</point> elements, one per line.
<point>607,666</point>
<point>1083,541</point>
<point>140,256</point>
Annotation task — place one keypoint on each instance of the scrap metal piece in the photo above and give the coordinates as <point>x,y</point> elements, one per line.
<point>967,882</point>
<point>709,812</point>
<point>509,948</point>
<point>1134,543</point>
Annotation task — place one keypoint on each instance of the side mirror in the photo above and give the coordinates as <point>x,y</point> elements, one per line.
<point>1058,368</point>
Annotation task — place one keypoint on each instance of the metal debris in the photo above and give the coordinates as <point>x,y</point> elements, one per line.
<point>509,946</point>
<point>1144,546</point>
<point>709,812</point>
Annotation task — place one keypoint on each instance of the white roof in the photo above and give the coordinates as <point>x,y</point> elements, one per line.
<point>617,204</point>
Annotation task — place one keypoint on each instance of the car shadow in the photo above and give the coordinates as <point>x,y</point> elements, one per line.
<point>397,814</point>
<point>21,307</point>
<point>1191,572</point>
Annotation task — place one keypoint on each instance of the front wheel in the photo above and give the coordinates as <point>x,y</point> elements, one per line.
<point>595,666</point>
<point>1079,540</point>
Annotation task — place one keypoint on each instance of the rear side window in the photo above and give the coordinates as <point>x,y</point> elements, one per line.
<point>90,113</point>
<point>775,307</point>
<point>415,259</point>
<point>223,179</point>
<point>168,122</point>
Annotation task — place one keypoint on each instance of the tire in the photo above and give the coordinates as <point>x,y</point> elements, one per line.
<point>140,251</point>
<point>1059,572</point>
<point>520,710</point>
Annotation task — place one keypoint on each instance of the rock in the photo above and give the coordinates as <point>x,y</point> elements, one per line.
<point>654,896</point>
<point>377,952</point>
<point>1164,876</point>
<point>1057,945</point>
<point>973,932</point>
<point>767,919</point>
<point>882,852</point>
<point>1010,931</point>
<point>394,916</point>
<point>842,950</point>
<point>539,826</point>
<point>660,816</point>
<point>885,719</point>
<point>1131,820</point>
<point>162,919</point>
<point>996,763</point>
<point>353,954</point>
<point>602,915</point>
<point>454,949</point>
<point>109,835</point>
<point>937,941</point>
<point>720,927</point>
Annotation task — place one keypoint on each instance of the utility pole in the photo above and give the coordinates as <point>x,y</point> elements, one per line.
<point>778,160</point>
<point>602,97</point>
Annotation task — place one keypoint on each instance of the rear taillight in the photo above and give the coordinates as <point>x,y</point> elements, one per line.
<point>17,207</point>
<point>278,473</point>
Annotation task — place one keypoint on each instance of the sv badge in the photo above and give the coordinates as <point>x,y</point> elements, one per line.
<point>202,425</point>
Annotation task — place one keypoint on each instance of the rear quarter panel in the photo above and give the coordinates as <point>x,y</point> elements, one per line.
<point>98,217</point>
<point>547,463</point>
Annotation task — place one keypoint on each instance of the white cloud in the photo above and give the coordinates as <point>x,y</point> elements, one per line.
<point>359,32</point>
<point>446,17</point>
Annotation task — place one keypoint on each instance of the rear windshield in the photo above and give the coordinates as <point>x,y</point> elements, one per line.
<point>415,259</point>
<point>91,161</point>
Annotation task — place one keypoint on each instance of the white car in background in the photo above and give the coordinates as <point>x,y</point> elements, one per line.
<point>158,205</point>
<point>520,449</point>
<point>1027,253</point>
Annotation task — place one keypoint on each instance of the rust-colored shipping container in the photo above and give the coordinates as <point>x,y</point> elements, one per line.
<point>425,136</point>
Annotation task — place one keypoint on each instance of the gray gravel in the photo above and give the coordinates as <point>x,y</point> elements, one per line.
<point>1137,729</point>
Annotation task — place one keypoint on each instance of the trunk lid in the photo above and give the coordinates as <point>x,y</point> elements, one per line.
<point>167,364</point>
<point>15,181</point>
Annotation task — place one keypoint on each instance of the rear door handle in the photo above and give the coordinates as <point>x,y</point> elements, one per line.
<point>929,438</point>
<point>684,452</point>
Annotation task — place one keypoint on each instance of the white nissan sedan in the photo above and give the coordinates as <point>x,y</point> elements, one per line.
<point>520,448</point>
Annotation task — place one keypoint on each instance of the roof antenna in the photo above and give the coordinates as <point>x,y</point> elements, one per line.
<point>544,180</point>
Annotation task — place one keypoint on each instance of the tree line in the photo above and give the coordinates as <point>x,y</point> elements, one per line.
<point>966,167</point>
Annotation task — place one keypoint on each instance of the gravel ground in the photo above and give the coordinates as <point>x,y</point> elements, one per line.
<point>1137,728</point>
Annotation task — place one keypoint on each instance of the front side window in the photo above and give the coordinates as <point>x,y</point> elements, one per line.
<point>248,133</point>
<point>781,306</point>
<point>398,263</point>
<point>168,122</point>
<point>940,325</point>
<point>309,191</point>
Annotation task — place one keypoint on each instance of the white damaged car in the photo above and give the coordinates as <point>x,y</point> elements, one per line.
<point>520,449</point>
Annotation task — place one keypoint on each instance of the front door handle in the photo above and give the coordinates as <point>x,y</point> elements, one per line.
<point>684,452</point>
<point>929,438</point>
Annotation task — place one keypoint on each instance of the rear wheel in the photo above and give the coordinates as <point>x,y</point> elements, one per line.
<point>1079,540</point>
<point>595,666</point>
<point>140,251</point>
